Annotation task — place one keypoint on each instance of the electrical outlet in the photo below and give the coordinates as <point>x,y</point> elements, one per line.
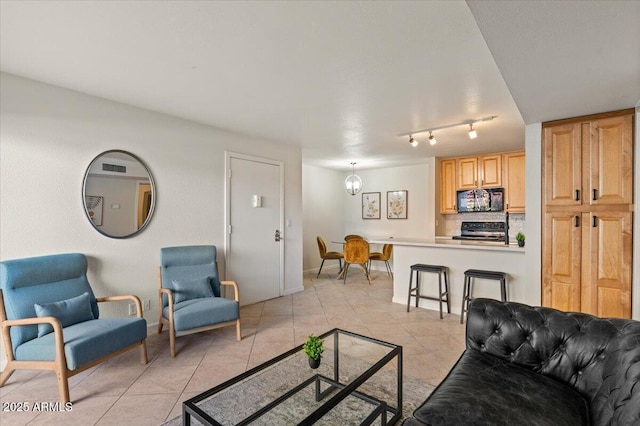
<point>132,309</point>
<point>146,305</point>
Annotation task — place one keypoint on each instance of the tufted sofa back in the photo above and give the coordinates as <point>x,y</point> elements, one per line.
<point>598,357</point>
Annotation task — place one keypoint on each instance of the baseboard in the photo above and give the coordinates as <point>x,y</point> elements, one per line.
<point>293,290</point>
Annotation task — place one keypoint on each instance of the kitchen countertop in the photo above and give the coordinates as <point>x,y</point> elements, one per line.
<point>449,243</point>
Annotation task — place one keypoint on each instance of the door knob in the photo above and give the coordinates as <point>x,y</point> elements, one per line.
<point>277,236</point>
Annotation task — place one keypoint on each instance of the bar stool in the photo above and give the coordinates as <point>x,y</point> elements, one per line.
<point>443,296</point>
<point>469,274</point>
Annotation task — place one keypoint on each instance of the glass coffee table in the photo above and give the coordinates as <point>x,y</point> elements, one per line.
<point>359,382</point>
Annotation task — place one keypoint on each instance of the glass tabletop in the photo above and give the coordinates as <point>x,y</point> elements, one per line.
<point>359,381</point>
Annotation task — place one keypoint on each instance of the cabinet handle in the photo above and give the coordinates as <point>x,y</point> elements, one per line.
<point>595,221</point>
<point>595,194</point>
<point>577,221</point>
<point>577,195</point>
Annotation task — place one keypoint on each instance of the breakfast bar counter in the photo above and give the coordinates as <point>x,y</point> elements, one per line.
<point>459,256</point>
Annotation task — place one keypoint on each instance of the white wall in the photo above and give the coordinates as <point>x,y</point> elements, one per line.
<point>533,191</point>
<point>322,201</point>
<point>48,138</point>
<point>418,180</point>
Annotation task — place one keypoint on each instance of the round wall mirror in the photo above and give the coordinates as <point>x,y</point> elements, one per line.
<point>118,194</point>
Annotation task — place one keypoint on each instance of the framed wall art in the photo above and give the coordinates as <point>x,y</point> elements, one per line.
<point>94,208</point>
<point>371,205</point>
<point>397,204</point>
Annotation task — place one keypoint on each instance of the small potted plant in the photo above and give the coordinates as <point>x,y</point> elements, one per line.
<point>520,239</point>
<point>313,348</point>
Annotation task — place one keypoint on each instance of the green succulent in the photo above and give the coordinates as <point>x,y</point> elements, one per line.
<point>313,347</point>
<point>520,236</point>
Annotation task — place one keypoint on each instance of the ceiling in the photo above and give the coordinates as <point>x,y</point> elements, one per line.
<point>339,79</point>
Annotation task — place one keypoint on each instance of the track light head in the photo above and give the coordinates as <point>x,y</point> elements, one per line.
<point>472,133</point>
<point>413,142</point>
<point>432,139</point>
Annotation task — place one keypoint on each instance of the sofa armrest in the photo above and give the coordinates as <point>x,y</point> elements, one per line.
<point>131,297</point>
<point>235,288</point>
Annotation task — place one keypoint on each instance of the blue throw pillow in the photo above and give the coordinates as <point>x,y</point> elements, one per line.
<point>191,289</point>
<point>68,312</point>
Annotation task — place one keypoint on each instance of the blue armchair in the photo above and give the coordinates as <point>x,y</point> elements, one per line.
<point>50,319</point>
<point>189,293</point>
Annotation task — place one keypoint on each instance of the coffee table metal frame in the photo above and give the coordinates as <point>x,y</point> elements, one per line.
<point>190,407</point>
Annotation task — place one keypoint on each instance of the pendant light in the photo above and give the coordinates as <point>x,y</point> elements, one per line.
<point>353,183</point>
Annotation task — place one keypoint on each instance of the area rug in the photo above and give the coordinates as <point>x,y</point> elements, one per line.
<point>238,402</point>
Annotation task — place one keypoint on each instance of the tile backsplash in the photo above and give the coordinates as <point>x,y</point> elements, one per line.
<point>454,222</point>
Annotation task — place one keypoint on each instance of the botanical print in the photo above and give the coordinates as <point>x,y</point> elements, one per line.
<point>371,205</point>
<point>397,204</point>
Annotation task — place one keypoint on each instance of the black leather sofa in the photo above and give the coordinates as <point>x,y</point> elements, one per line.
<point>528,365</point>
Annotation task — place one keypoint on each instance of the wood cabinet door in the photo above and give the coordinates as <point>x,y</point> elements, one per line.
<point>448,187</point>
<point>606,281</point>
<point>562,163</point>
<point>490,171</point>
<point>514,181</point>
<point>561,260</point>
<point>611,161</point>
<point>467,172</point>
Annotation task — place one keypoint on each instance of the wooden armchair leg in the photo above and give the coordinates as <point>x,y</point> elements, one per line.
<point>160,324</point>
<point>172,341</point>
<point>238,331</point>
<point>63,385</point>
<point>5,375</point>
<point>143,352</point>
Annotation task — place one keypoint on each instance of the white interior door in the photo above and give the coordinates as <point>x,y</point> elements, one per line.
<point>255,205</point>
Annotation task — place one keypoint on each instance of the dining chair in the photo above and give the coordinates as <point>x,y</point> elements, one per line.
<point>356,252</point>
<point>383,256</point>
<point>324,254</point>
<point>353,236</point>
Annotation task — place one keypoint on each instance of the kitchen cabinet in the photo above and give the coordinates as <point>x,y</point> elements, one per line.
<point>587,262</point>
<point>486,171</point>
<point>479,172</point>
<point>514,181</point>
<point>448,187</point>
<point>587,210</point>
<point>603,149</point>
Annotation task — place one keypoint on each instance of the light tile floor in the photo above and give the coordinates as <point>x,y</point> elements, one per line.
<point>122,391</point>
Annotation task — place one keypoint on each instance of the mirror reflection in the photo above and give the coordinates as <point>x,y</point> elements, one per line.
<point>118,194</point>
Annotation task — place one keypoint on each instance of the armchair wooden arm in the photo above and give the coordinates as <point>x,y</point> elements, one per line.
<point>60,362</point>
<point>235,288</point>
<point>131,297</point>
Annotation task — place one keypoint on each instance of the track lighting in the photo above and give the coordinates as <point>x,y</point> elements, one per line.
<point>472,133</point>
<point>432,139</point>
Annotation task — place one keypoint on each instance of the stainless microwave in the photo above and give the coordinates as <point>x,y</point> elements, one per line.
<point>480,200</point>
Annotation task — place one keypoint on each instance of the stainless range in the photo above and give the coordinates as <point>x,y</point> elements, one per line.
<point>482,231</point>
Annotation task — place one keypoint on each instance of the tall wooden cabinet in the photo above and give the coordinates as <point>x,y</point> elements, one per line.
<point>587,210</point>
